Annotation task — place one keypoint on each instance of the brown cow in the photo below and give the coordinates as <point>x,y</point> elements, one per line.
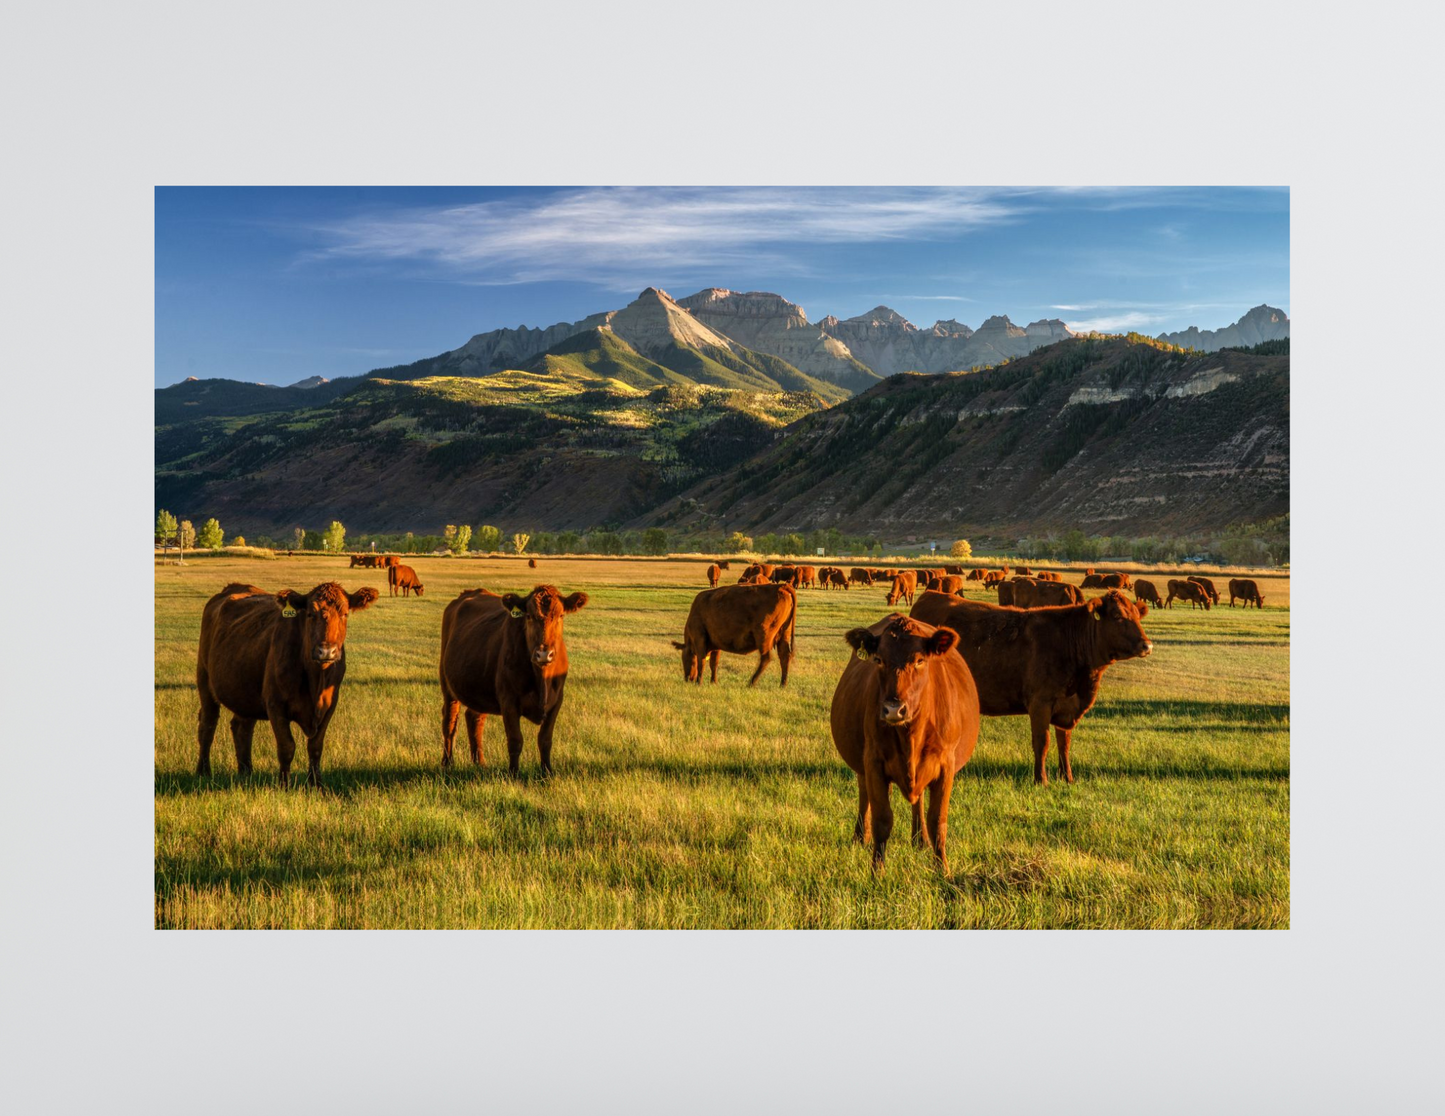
<point>953,570</point>
<point>1005,592</point>
<point>1207,585</point>
<point>836,578</point>
<point>363,560</point>
<point>753,579</point>
<point>723,564</point>
<point>403,579</point>
<point>504,654</point>
<point>739,620</point>
<point>531,563</point>
<point>905,583</point>
<point>1048,575</point>
<point>785,575</point>
<point>1144,590</point>
<point>766,568</point>
<point>1114,581</point>
<point>859,576</point>
<point>713,574</point>
<point>905,713</point>
<point>278,657</point>
<point>391,560</point>
<point>1023,571</point>
<point>1190,591</point>
<point>807,577</point>
<point>1092,581</point>
<point>1033,593</point>
<point>1245,589</point>
<point>952,583</point>
<point>1045,662</point>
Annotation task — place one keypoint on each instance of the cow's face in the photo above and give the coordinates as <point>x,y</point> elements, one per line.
<point>322,614</point>
<point>691,662</point>
<point>541,612</point>
<point>1119,625</point>
<point>902,655</point>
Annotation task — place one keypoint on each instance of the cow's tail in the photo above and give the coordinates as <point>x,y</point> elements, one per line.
<point>792,622</point>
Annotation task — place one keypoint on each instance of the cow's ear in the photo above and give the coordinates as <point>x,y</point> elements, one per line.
<point>514,604</point>
<point>863,641</point>
<point>362,598</point>
<point>289,598</point>
<point>573,602</point>
<point>1143,610</point>
<point>942,640</point>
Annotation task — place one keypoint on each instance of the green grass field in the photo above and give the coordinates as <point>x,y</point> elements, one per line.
<point>719,806</point>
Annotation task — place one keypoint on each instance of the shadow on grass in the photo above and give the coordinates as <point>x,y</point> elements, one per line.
<point>1234,713</point>
<point>342,782</point>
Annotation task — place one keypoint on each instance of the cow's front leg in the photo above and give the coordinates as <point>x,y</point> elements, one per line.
<point>549,721</point>
<point>285,745</point>
<point>1063,738</point>
<point>1039,723</point>
<point>512,726</point>
<point>938,794</point>
<point>881,807</point>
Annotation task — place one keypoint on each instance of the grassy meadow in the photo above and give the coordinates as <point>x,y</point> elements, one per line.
<point>718,806</point>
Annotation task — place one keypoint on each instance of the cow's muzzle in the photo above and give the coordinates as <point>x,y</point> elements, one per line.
<point>326,653</point>
<point>1145,648</point>
<point>543,656</point>
<point>894,712</point>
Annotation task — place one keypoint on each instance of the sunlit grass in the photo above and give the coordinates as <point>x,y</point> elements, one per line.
<point>717,806</point>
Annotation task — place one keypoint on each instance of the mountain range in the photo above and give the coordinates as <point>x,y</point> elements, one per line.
<point>668,411</point>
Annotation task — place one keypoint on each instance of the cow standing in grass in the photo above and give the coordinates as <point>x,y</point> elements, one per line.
<point>739,619</point>
<point>278,657</point>
<point>905,714</point>
<point>1047,663</point>
<point>506,655</point>
<point>1247,590</point>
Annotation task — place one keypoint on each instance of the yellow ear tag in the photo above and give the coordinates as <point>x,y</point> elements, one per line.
<point>1096,613</point>
<point>862,654</point>
<point>288,611</point>
<point>517,612</point>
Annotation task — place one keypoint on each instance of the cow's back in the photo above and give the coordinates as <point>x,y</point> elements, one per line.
<point>237,626</point>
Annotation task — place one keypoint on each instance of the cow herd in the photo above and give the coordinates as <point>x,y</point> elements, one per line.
<point>905,712</point>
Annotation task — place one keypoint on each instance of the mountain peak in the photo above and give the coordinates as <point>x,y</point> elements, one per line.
<point>1262,323</point>
<point>952,327</point>
<point>883,316</point>
<point>998,321</point>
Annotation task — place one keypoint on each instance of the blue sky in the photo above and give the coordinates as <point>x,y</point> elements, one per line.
<point>277,284</point>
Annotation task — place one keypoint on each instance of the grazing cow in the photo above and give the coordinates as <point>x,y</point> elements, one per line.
<point>836,578</point>
<point>905,714</point>
<point>1144,590</point>
<point>992,578</point>
<point>750,571</point>
<point>390,560</point>
<point>952,583</point>
<point>278,657</point>
<point>948,569</point>
<point>1207,585</point>
<point>531,563</point>
<point>975,574</point>
<point>753,579</point>
<point>1033,593</point>
<point>1023,571</point>
<point>1045,662</point>
<point>403,579</point>
<point>1190,591</point>
<point>713,574</point>
<point>1005,593</point>
<point>1048,575</point>
<point>785,575</point>
<point>739,620</point>
<point>859,576</point>
<point>1092,581</point>
<point>766,568</point>
<point>360,560</point>
<point>807,577</point>
<point>1245,589</point>
<point>1114,581</point>
<point>905,583</point>
<point>504,654</point>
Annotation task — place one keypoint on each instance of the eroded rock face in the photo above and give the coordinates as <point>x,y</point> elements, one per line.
<point>654,320</point>
<point>509,348</point>
<point>769,323</point>
<point>1263,323</point>
<point>887,342</point>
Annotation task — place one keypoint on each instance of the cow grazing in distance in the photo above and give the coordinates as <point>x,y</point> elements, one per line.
<point>713,574</point>
<point>905,583</point>
<point>807,577</point>
<point>905,713</point>
<point>1185,590</point>
<point>508,655</point>
<point>390,560</point>
<point>1092,581</point>
<point>1246,590</point>
<point>859,576</point>
<point>403,579</point>
<point>1207,585</point>
<point>975,575</point>
<point>531,563</point>
<point>1144,590</point>
<point>739,619</point>
<point>836,578</point>
<point>1023,571</point>
<point>952,583</point>
<point>1114,581</point>
<point>1048,575</point>
<point>1047,663</point>
<point>278,657</point>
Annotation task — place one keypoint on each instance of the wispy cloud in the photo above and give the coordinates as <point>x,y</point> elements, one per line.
<point>1114,323</point>
<point>617,235</point>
